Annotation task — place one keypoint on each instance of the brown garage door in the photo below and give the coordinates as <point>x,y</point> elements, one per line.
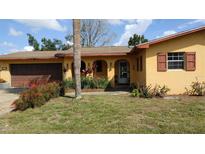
<point>22,74</point>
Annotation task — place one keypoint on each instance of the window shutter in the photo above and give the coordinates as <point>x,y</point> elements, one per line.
<point>161,62</point>
<point>190,62</point>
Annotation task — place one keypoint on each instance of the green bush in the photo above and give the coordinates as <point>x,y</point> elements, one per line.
<point>68,84</point>
<point>135,93</point>
<point>88,83</point>
<point>102,83</point>
<point>38,96</point>
<point>159,91</point>
<point>196,89</point>
<point>149,92</point>
<point>146,92</point>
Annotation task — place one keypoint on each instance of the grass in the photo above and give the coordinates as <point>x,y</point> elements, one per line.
<point>110,114</point>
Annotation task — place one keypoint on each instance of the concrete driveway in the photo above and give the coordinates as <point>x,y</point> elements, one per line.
<point>7,96</point>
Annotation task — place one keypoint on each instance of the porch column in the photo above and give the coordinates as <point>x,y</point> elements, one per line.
<point>67,69</point>
<point>5,72</point>
<point>111,72</point>
<point>89,64</point>
<point>131,70</point>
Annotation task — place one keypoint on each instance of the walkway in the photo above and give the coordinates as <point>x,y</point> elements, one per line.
<point>7,96</point>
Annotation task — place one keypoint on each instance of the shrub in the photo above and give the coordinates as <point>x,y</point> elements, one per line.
<point>146,92</point>
<point>135,93</point>
<point>149,92</point>
<point>88,83</point>
<point>39,81</point>
<point>102,83</point>
<point>132,87</point>
<point>196,89</point>
<point>2,80</point>
<point>68,84</point>
<point>159,91</point>
<point>37,96</point>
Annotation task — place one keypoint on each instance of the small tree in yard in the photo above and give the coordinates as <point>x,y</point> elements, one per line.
<point>77,57</point>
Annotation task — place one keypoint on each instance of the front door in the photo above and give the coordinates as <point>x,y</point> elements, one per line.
<point>123,77</point>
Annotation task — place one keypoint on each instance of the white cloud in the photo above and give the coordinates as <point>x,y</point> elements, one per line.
<point>14,32</point>
<point>169,32</point>
<point>69,43</point>
<point>9,51</point>
<point>28,48</point>
<point>194,22</point>
<point>37,24</point>
<point>115,21</point>
<point>14,50</point>
<point>121,21</point>
<point>133,27</point>
<point>7,44</point>
<point>166,33</point>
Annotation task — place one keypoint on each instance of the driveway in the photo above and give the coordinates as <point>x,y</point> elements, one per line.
<point>7,96</point>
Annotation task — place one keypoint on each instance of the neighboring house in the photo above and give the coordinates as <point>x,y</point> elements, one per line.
<point>175,61</point>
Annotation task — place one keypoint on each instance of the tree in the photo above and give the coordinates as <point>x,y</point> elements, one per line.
<point>136,39</point>
<point>58,44</point>
<point>77,57</point>
<point>33,42</point>
<point>94,33</point>
<point>47,44</point>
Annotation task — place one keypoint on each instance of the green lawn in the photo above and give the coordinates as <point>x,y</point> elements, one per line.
<point>110,114</point>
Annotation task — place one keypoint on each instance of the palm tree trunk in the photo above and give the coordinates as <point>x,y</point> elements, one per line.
<point>77,57</point>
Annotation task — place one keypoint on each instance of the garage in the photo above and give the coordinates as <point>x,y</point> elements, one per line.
<point>22,74</point>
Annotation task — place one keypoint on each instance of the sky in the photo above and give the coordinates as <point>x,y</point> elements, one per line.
<point>13,36</point>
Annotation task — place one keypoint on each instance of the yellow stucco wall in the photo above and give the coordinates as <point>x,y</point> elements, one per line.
<point>177,79</point>
<point>4,71</point>
<point>140,76</point>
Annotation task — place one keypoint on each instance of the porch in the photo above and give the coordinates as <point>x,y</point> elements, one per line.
<point>117,71</point>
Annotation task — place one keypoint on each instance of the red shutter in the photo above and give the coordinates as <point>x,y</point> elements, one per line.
<point>190,62</point>
<point>161,62</point>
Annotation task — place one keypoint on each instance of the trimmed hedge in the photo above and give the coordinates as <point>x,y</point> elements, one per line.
<point>37,96</point>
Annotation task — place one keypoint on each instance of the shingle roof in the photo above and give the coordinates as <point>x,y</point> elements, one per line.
<point>95,51</point>
<point>169,37</point>
<point>141,47</point>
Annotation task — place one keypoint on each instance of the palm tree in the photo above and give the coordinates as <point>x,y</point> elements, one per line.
<point>77,57</point>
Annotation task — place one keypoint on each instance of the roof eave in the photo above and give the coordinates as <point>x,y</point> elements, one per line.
<point>143,46</point>
<point>94,55</point>
<point>19,59</point>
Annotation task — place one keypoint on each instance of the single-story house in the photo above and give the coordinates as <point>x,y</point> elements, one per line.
<point>175,61</point>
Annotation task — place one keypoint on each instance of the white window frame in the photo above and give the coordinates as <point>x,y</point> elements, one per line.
<point>170,69</point>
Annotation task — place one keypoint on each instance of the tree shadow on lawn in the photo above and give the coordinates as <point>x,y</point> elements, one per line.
<point>69,96</point>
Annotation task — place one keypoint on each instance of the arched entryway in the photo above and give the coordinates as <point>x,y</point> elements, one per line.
<point>122,72</point>
<point>100,69</point>
<point>82,68</point>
